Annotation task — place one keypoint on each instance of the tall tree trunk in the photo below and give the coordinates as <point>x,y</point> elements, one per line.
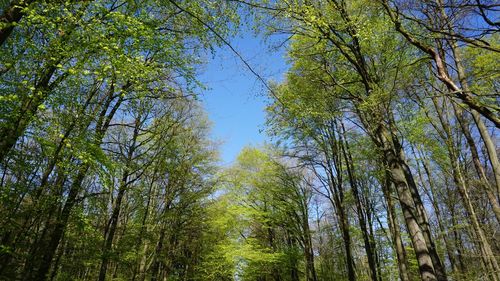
<point>333,155</point>
<point>361,214</point>
<point>270,237</point>
<point>308,248</point>
<point>487,255</point>
<point>110,231</point>
<point>346,236</point>
<point>48,250</point>
<point>113,221</point>
<point>459,179</point>
<point>431,194</point>
<point>394,228</point>
<point>155,269</point>
<point>294,271</point>
<point>140,270</point>
<point>483,131</point>
<point>372,239</point>
<point>477,163</point>
<point>60,225</point>
<point>458,242</point>
<point>409,198</point>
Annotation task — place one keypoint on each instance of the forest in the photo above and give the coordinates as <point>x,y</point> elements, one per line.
<point>383,161</point>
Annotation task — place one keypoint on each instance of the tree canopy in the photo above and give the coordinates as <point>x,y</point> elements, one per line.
<point>382,160</point>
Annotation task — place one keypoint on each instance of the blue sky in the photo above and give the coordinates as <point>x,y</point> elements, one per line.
<point>235,100</point>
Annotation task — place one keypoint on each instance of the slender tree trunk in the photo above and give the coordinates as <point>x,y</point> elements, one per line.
<point>270,237</point>
<point>59,255</point>
<point>459,179</point>
<point>294,271</point>
<point>58,231</point>
<point>490,148</point>
<point>486,252</point>
<point>458,242</point>
<point>437,210</point>
<point>113,221</point>
<point>155,270</point>
<point>373,243</point>
<point>335,184</point>
<point>143,263</point>
<point>346,236</point>
<point>361,214</point>
<point>61,222</point>
<point>110,233</point>
<point>477,163</point>
<point>141,268</point>
<point>394,228</point>
<point>483,131</point>
<point>37,246</point>
<point>308,248</point>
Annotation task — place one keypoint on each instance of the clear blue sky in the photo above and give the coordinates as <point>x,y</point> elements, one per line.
<point>235,101</point>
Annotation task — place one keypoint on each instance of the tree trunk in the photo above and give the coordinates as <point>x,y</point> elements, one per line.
<point>437,210</point>
<point>402,179</point>
<point>395,230</point>
<point>155,270</point>
<point>458,177</point>
<point>485,248</point>
<point>141,268</point>
<point>346,236</point>
<point>370,253</point>
<point>477,162</point>
<point>294,271</point>
<point>336,186</point>
<point>113,221</point>
<point>110,233</point>
<point>58,231</point>
<point>61,222</point>
<point>483,131</point>
<point>308,250</point>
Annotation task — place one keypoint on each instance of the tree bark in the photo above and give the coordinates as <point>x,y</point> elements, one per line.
<point>437,210</point>
<point>394,228</point>
<point>402,178</point>
<point>308,248</point>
